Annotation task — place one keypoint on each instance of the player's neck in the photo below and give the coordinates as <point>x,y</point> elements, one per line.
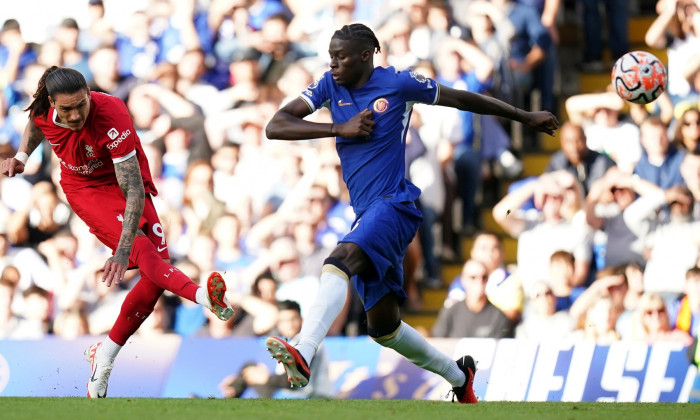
<point>363,80</point>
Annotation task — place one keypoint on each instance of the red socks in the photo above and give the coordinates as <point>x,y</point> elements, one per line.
<point>143,254</point>
<point>139,303</point>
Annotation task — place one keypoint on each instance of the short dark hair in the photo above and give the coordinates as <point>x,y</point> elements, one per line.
<point>562,256</point>
<point>289,305</point>
<point>10,25</point>
<point>360,33</point>
<point>70,23</point>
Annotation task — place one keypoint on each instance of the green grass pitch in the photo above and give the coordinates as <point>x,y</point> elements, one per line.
<point>193,409</point>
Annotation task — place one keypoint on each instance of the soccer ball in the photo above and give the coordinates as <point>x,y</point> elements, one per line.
<point>639,77</point>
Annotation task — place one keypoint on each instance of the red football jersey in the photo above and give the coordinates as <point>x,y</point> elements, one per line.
<point>88,156</point>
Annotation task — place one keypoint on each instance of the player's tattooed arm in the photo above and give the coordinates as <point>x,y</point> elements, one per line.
<point>34,137</point>
<point>31,138</point>
<point>129,178</point>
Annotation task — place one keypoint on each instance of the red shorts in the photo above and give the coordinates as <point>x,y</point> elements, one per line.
<point>102,209</point>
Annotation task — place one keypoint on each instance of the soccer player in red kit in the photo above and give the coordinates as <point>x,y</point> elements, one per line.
<point>105,176</point>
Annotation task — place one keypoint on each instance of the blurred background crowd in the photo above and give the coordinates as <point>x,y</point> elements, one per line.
<point>608,230</point>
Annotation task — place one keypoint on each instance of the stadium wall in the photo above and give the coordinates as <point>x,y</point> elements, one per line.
<point>508,370</point>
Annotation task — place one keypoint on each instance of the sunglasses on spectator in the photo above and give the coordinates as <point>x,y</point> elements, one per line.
<point>659,311</point>
<point>543,293</point>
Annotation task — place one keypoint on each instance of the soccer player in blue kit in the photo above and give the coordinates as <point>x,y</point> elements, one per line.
<point>371,107</point>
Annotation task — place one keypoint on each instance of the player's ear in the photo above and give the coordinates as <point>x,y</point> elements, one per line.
<point>51,102</point>
<point>366,55</point>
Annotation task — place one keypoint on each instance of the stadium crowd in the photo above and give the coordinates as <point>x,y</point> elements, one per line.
<point>608,236</point>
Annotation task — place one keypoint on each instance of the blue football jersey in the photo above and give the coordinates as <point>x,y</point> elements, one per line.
<point>374,168</point>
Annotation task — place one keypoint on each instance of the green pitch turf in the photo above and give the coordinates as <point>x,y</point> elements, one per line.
<point>195,409</point>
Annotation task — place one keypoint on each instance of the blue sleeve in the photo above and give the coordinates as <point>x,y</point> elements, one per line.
<point>417,88</point>
<point>318,93</point>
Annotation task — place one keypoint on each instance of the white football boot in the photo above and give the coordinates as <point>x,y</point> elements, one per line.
<point>101,369</point>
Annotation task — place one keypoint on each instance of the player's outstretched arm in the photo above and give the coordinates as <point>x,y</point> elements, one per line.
<point>542,121</point>
<point>289,124</point>
<point>31,138</point>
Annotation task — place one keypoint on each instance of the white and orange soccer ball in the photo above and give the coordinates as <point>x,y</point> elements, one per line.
<point>639,77</point>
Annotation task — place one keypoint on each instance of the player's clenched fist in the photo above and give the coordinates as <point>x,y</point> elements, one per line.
<point>360,125</point>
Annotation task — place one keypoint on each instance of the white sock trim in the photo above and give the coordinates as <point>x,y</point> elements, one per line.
<point>202,298</point>
<point>109,349</point>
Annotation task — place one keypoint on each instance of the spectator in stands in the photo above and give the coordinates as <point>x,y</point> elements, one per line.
<point>45,215</point>
<point>440,129</point>
<point>192,84</point>
<point>286,267</point>
<point>257,311</point>
<point>491,29</point>
<point>70,324</point>
<point>575,157</point>
<point>15,56</point>
<point>9,135</point>
<point>158,109</point>
<point>562,271</point>
<point>270,384</point>
<point>396,33</point>
<point>599,324</point>
<point>551,231</point>
<point>684,313</point>
<point>138,52</point>
<point>8,321</point>
<point>98,31</point>
<point>528,53</point>
<point>611,283</point>
<point>635,283</point>
<point>475,316</point>
<point>201,209</point>
<point>675,29</point>
<point>230,257</point>
<point>104,66</point>
<point>650,322</point>
<point>687,133</point>
<point>673,246</point>
<point>67,35</point>
<point>690,170</point>
<point>502,289</point>
<point>244,80</point>
<point>660,163</point>
<point>277,52</point>
<point>600,116</point>
<point>454,56</point>
<point>543,321</point>
<point>35,320</point>
<point>620,206</point>
<point>617,17</point>
<point>310,27</point>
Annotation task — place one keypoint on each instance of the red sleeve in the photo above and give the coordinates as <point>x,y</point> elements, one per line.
<point>114,130</point>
